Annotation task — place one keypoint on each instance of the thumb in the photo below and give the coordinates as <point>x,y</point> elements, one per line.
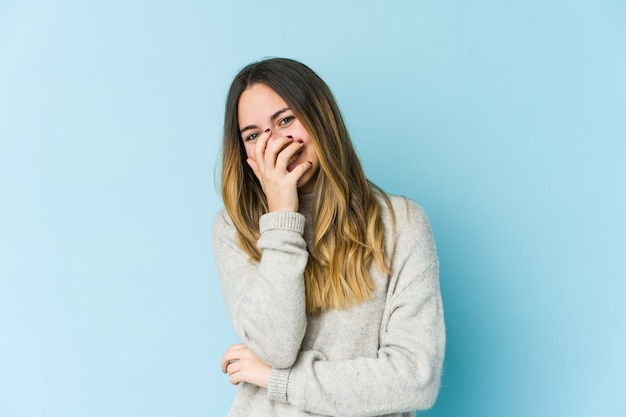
<point>255,167</point>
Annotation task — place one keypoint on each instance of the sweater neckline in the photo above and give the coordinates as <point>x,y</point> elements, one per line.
<point>305,202</point>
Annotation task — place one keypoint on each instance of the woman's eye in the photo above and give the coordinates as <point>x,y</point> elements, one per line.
<point>252,136</point>
<point>285,120</point>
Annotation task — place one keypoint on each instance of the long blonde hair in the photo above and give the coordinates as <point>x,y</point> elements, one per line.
<point>347,211</point>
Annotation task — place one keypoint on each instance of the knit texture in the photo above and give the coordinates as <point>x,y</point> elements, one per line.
<point>381,357</point>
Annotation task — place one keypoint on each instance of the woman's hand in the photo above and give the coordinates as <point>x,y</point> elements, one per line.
<point>271,159</point>
<point>244,366</point>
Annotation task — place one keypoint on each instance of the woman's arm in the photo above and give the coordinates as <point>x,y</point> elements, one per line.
<point>265,300</point>
<point>405,375</point>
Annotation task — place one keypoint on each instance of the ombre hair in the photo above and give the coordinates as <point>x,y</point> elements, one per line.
<point>347,209</point>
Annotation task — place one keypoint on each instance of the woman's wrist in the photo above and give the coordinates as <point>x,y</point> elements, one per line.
<point>282,220</point>
<point>289,203</point>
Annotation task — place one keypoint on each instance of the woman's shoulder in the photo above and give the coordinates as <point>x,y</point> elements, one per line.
<point>222,217</point>
<point>404,210</point>
<point>222,224</point>
<point>408,225</point>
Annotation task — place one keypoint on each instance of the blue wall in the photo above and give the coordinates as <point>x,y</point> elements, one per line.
<point>505,120</point>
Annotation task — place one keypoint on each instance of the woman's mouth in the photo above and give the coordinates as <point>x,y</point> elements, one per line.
<point>292,162</point>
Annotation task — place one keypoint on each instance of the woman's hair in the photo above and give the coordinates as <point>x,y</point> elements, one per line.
<point>349,232</point>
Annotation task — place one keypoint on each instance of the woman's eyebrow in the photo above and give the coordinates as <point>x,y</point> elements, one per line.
<point>278,113</point>
<point>274,116</point>
<point>248,128</point>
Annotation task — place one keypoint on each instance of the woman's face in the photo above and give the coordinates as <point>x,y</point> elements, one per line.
<point>261,108</point>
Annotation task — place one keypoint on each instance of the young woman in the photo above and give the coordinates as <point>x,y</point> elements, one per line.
<point>331,285</point>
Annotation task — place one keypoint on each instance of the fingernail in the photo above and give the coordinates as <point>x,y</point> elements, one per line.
<point>267,130</point>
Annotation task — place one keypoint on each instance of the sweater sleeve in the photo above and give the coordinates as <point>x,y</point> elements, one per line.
<point>405,375</point>
<point>265,300</point>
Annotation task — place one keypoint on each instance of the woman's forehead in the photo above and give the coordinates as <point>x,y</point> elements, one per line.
<point>259,102</point>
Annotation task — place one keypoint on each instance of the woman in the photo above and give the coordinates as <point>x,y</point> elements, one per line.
<point>331,285</point>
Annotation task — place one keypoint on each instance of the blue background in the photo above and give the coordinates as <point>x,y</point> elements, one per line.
<point>504,120</point>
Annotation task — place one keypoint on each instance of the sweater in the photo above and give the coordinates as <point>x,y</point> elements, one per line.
<point>380,357</point>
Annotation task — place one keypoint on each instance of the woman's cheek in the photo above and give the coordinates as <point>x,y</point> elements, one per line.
<point>249,151</point>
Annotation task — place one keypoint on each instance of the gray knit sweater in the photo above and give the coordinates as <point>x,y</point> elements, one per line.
<point>381,357</point>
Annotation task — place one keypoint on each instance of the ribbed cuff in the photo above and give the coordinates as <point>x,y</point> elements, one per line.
<point>282,220</point>
<point>277,389</point>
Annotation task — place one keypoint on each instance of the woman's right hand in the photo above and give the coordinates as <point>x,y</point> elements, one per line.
<point>271,158</point>
<point>242,365</point>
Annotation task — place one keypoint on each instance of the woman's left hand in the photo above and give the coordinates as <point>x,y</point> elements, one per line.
<point>244,366</point>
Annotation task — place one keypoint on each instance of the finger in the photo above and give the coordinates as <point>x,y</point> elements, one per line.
<point>301,169</point>
<point>233,367</point>
<point>255,167</point>
<point>224,363</point>
<point>227,360</point>
<point>283,158</point>
<point>235,372</point>
<point>260,146</point>
<point>235,378</point>
<point>274,149</point>
<point>237,346</point>
<point>233,353</point>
